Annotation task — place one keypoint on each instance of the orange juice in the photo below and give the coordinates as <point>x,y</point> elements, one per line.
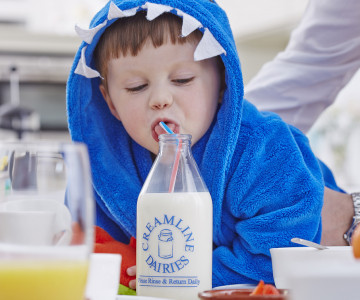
<point>43,280</point>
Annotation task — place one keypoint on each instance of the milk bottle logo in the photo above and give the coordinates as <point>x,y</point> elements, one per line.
<point>165,247</point>
<point>167,244</point>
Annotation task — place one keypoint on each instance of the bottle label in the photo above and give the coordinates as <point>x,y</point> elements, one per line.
<point>167,246</point>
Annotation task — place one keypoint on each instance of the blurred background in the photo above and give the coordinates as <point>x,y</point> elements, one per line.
<point>38,43</point>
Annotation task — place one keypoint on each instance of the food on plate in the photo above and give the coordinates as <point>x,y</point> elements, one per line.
<point>264,289</point>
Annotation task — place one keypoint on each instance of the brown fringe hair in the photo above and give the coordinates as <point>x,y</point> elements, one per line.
<point>128,36</point>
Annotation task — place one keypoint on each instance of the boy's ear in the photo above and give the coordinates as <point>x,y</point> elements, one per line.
<point>110,104</point>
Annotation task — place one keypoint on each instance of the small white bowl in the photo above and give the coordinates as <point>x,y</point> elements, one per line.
<point>291,261</point>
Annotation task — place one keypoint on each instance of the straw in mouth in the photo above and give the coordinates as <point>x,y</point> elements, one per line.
<point>177,158</point>
<point>166,128</point>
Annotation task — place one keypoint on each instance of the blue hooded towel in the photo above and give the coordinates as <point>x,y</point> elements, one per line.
<point>265,182</point>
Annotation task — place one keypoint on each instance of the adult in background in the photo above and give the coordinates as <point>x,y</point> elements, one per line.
<point>322,56</point>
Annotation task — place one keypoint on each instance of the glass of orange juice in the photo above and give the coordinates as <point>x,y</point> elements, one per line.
<point>46,220</point>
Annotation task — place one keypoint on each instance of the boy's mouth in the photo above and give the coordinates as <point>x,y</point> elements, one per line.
<point>158,130</point>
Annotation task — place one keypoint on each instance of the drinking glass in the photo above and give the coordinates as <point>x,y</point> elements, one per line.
<point>46,220</point>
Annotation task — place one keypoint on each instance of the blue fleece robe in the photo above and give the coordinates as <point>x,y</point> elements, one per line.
<point>266,184</point>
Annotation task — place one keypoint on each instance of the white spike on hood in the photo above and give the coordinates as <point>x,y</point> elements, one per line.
<point>208,47</point>
<point>155,10</point>
<point>189,23</point>
<point>115,12</point>
<point>87,35</point>
<point>83,69</point>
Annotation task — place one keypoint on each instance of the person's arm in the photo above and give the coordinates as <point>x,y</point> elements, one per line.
<point>322,56</point>
<point>336,214</point>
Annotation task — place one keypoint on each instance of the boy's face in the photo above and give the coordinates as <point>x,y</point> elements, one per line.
<point>163,84</point>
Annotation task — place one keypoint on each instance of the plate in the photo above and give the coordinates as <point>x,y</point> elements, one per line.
<point>240,294</point>
<point>236,286</point>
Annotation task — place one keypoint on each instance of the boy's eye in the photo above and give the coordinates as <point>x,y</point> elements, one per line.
<point>136,88</point>
<point>183,80</point>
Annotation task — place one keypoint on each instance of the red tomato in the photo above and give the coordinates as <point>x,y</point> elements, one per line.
<point>258,290</point>
<point>269,289</point>
<point>264,289</point>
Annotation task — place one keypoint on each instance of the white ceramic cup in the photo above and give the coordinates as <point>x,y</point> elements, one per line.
<point>26,228</point>
<point>35,222</point>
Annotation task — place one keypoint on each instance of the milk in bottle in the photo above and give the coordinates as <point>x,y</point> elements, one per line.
<point>174,225</point>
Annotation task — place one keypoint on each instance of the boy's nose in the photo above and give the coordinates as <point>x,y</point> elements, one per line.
<point>160,100</point>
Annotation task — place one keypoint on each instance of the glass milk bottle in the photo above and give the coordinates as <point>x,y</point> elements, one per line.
<point>174,225</point>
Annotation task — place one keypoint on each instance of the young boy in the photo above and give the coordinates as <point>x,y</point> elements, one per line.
<point>146,62</point>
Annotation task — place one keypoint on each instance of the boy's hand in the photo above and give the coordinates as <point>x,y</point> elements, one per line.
<point>132,272</point>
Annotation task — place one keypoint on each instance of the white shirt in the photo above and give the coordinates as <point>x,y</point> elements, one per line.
<point>322,56</point>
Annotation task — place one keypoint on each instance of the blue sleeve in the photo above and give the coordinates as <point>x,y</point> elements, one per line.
<point>275,193</point>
